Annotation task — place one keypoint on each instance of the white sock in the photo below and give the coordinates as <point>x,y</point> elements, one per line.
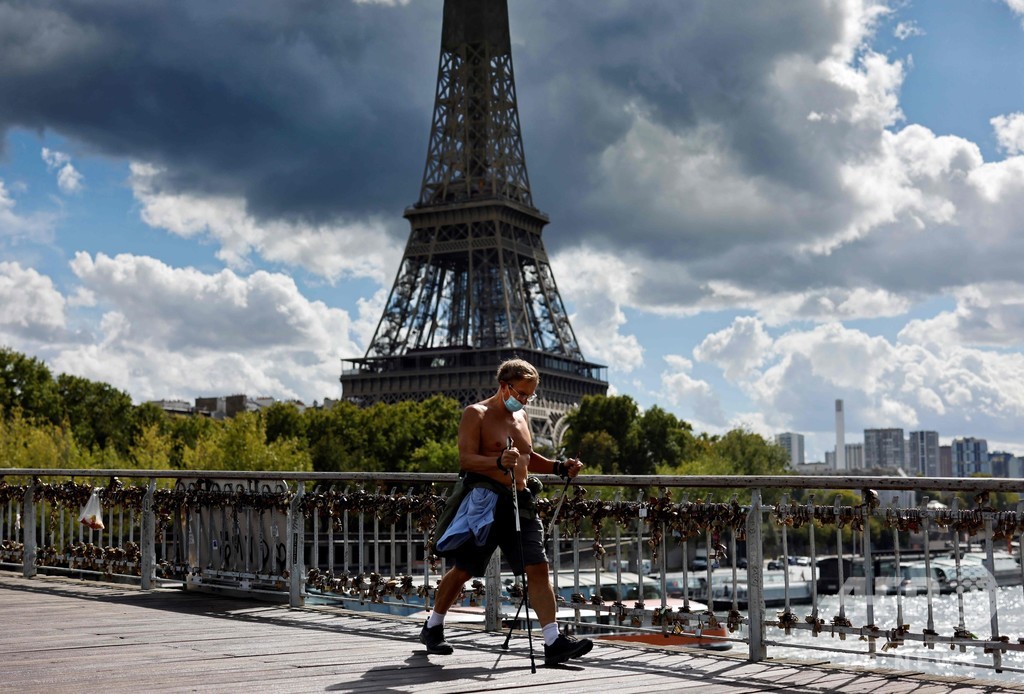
<point>550,633</point>
<point>434,619</point>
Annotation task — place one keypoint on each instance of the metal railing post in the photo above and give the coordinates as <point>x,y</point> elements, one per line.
<point>868,498</point>
<point>993,607</point>
<point>296,549</point>
<point>492,594</point>
<point>755,580</point>
<point>28,529</point>
<point>147,558</point>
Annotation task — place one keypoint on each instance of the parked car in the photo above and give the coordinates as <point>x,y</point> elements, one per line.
<point>701,564</point>
<point>915,581</point>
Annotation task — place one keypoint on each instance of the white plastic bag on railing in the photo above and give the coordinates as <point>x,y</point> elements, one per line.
<point>92,514</point>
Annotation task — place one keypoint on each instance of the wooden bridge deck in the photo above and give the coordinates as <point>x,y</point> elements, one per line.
<point>71,636</point>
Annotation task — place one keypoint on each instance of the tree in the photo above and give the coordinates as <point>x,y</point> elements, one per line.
<point>145,416</point>
<point>152,449</point>
<point>335,437</point>
<point>747,453</point>
<point>284,421</point>
<point>27,385</point>
<point>240,443</point>
<point>185,433</point>
<point>641,442</point>
<point>616,417</point>
<point>433,456</point>
<point>602,452</point>
<point>383,437</point>
<point>32,444</point>
<point>665,439</point>
<point>100,415</point>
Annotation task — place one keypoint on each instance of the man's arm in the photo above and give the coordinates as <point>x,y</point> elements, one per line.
<point>547,466</point>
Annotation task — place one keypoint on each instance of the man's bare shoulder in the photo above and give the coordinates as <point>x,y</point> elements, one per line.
<point>477,409</point>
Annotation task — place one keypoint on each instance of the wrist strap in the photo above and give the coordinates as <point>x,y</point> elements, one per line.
<point>561,469</point>
<point>498,461</point>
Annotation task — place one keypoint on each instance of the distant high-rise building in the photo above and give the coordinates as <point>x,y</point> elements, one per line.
<point>794,445</point>
<point>923,453</point>
<point>1003,464</point>
<point>970,457</point>
<point>884,448</point>
<point>853,454</point>
<point>1016,468</point>
<point>945,461</point>
<point>840,457</point>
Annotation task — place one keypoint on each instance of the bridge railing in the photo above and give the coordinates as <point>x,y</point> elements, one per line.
<point>362,540</point>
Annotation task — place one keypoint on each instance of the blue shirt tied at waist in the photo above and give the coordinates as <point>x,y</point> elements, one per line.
<point>474,518</point>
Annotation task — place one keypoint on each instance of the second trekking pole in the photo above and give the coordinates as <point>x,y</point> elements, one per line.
<point>522,562</point>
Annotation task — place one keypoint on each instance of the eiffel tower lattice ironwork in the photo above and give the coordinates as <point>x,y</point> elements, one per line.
<point>475,286</point>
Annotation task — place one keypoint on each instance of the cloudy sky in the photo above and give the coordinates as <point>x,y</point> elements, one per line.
<point>757,206</point>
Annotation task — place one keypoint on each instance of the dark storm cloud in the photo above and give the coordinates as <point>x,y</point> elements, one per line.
<point>305,109</point>
<point>318,110</point>
<point>682,64</point>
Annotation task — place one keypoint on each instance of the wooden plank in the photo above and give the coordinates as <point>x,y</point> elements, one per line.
<point>60,634</point>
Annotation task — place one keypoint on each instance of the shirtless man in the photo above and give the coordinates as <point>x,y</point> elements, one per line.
<point>487,460</point>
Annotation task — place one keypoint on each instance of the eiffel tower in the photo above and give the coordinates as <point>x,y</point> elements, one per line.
<point>475,286</point>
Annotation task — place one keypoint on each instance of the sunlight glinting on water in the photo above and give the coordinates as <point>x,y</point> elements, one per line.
<point>913,655</point>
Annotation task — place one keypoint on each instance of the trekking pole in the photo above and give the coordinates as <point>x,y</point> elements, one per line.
<point>565,490</point>
<point>512,624</point>
<point>522,561</point>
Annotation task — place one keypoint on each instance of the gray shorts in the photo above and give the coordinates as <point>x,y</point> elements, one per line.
<point>473,559</point>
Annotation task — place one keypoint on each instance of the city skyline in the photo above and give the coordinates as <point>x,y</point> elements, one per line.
<point>753,213</point>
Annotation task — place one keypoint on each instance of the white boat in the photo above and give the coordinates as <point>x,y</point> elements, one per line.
<point>773,586</point>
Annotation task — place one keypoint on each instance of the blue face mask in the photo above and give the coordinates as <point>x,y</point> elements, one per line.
<point>513,405</point>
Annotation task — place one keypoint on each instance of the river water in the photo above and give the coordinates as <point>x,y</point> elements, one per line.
<point>913,655</point>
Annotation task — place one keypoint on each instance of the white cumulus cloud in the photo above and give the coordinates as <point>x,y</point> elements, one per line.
<point>167,331</point>
<point>1010,132</point>
<point>31,308</point>
<point>358,248</point>
<point>69,179</point>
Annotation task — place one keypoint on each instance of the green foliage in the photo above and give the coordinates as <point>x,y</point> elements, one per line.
<point>100,415</point>
<point>72,422</point>
<point>27,386</point>
<point>602,452</point>
<point>434,456</point>
<point>335,437</point>
<point>748,453</point>
<point>184,434</point>
<point>665,439</point>
<point>144,416</point>
<point>603,431</point>
<point>386,438</point>
<point>614,437</point>
<point>240,443</point>
<point>153,449</point>
<point>28,444</point>
<point>283,421</point>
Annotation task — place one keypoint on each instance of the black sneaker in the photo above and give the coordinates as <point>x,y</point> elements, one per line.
<point>566,647</point>
<point>433,639</point>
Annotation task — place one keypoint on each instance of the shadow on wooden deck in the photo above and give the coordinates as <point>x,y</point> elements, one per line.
<point>58,633</point>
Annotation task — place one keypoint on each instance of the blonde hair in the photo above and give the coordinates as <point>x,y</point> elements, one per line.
<point>517,370</point>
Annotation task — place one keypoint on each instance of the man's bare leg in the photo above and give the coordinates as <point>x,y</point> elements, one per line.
<point>558,648</point>
<point>448,591</point>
